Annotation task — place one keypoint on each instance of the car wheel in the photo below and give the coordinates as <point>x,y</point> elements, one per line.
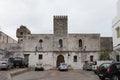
<point>36,69</point>
<point>95,72</point>
<point>115,77</point>
<point>102,78</point>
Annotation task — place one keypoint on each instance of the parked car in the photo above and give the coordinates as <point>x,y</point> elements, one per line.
<point>20,62</point>
<point>87,66</point>
<point>63,67</point>
<point>96,64</point>
<point>112,72</point>
<point>6,63</point>
<point>102,68</point>
<point>39,67</point>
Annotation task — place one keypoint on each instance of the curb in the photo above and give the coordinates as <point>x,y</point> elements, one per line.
<point>14,73</point>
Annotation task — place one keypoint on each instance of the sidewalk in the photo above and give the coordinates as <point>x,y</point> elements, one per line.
<point>18,71</point>
<point>6,75</point>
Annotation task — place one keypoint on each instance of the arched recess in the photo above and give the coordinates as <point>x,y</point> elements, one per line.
<point>60,59</point>
<point>80,43</point>
<point>61,43</point>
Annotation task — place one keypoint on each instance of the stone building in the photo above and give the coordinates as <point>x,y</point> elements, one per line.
<point>116,34</point>
<point>52,49</point>
<point>4,41</point>
<point>21,32</point>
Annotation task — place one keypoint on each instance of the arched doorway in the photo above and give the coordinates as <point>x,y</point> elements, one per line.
<point>60,59</point>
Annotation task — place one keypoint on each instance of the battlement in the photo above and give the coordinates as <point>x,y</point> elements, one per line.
<point>60,17</point>
<point>60,25</point>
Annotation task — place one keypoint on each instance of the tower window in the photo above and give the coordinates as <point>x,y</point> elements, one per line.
<point>21,33</point>
<point>80,43</point>
<point>60,43</point>
<point>75,58</point>
<point>41,43</point>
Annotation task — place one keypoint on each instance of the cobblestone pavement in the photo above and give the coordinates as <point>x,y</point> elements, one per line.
<point>57,75</point>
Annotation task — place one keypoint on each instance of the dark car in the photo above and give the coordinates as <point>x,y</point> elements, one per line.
<point>20,62</point>
<point>111,71</point>
<point>87,66</point>
<point>103,68</point>
<point>39,67</point>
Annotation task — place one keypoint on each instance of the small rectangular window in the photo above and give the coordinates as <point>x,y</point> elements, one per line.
<point>118,32</point>
<point>91,58</point>
<point>40,56</point>
<point>118,58</point>
<point>21,33</point>
<point>75,58</point>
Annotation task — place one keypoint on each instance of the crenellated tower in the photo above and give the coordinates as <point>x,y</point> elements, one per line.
<point>60,25</point>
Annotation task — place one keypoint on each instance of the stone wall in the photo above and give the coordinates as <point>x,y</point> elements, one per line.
<point>60,25</point>
<point>106,43</point>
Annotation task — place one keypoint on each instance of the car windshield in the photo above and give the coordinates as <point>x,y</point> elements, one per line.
<point>63,64</point>
<point>3,59</point>
<point>18,59</point>
<point>105,65</point>
<point>38,64</point>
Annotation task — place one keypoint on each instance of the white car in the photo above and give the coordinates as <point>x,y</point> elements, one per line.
<point>63,67</point>
<point>96,64</point>
<point>39,67</point>
<point>6,63</point>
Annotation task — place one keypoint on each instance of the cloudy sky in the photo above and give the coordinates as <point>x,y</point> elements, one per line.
<point>84,16</point>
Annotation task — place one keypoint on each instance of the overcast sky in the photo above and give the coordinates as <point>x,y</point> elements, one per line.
<point>84,16</point>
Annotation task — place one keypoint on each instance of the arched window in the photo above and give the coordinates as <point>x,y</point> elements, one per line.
<point>80,43</point>
<point>60,43</point>
<point>41,43</point>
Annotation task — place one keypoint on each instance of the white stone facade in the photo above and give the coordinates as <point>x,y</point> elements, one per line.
<point>50,58</point>
<point>116,34</point>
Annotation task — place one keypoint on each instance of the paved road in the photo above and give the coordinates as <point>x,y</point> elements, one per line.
<point>57,75</point>
<point>6,74</point>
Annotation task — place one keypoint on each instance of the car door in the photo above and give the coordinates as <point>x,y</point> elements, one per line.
<point>9,63</point>
<point>118,69</point>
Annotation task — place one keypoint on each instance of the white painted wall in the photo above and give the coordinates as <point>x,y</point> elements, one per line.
<point>116,40</point>
<point>49,59</point>
<point>116,23</point>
